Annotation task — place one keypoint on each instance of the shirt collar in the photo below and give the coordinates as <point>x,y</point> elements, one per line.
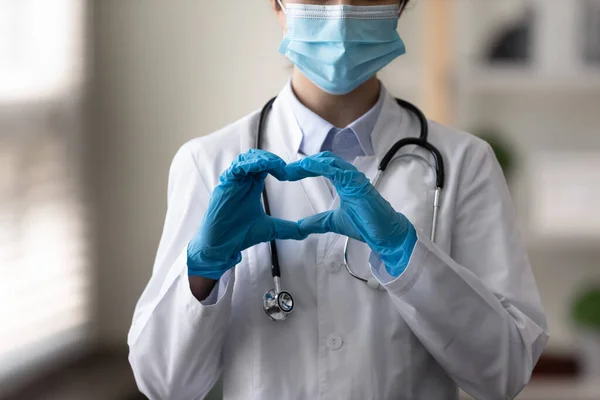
<point>315,129</point>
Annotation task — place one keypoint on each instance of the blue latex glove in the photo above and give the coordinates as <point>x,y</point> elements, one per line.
<point>363,213</point>
<point>235,219</point>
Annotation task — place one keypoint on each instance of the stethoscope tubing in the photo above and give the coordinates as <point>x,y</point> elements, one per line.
<point>271,300</point>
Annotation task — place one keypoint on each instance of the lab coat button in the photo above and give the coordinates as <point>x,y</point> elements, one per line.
<point>333,268</point>
<point>334,342</point>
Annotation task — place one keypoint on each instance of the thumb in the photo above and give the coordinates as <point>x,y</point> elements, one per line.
<point>330,221</point>
<point>318,223</point>
<point>286,230</point>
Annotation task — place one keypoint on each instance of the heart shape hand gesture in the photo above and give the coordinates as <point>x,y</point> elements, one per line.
<point>235,219</point>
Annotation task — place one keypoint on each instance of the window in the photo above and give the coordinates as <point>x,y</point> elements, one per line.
<point>44,277</point>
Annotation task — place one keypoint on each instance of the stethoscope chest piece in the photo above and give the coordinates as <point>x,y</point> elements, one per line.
<point>278,306</point>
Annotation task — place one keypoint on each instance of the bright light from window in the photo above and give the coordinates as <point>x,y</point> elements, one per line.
<point>37,39</point>
<point>44,276</point>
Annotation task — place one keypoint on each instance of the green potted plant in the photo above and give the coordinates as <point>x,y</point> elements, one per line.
<point>585,315</point>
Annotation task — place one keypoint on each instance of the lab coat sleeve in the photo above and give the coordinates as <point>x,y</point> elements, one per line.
<point>175,341</point>
<point>477,312</point>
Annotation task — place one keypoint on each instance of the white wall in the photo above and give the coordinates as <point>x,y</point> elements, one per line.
<point>165,71</point>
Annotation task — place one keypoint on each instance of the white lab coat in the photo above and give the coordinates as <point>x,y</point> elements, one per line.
<point>465,312</point>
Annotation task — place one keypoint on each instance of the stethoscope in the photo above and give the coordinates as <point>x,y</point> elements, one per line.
<point>278,303</point>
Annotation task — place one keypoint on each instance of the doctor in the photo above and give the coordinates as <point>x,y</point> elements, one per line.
<point>461,312</point>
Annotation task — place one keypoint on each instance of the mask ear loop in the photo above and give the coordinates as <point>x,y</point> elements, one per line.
<point>402,7</point>
<point>282,7</point>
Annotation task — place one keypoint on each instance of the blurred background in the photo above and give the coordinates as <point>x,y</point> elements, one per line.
<point>97,96</point>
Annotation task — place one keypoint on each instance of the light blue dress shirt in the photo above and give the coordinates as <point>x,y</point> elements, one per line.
<point>349,142</point>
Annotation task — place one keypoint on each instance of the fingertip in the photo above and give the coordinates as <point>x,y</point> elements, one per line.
<point>319,223</point>
<point>314,166</point>
<point>286,230</point>
<point>258,163</point>
<point>295,172</point>
<point>279,174</point>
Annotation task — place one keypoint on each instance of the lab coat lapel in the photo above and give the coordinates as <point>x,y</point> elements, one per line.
<point>394,123</point>
<point>248,141</point>
<point>285,135</point>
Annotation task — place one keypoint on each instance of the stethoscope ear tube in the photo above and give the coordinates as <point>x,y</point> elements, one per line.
<point>440,177</point>
<point>422,142</point>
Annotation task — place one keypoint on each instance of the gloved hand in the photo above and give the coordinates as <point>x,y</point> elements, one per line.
<point>235,219</point>
<point>363,213</point>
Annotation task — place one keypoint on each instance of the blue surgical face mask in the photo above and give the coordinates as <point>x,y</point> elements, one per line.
<point>340,47</point>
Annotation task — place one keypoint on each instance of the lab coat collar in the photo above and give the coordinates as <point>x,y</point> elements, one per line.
<point>283,116</point>
<point>284,127</point>
<point>314,128</point>
<point>393,124</point>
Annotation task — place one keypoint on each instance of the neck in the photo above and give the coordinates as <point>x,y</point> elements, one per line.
<point>342,110</point>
